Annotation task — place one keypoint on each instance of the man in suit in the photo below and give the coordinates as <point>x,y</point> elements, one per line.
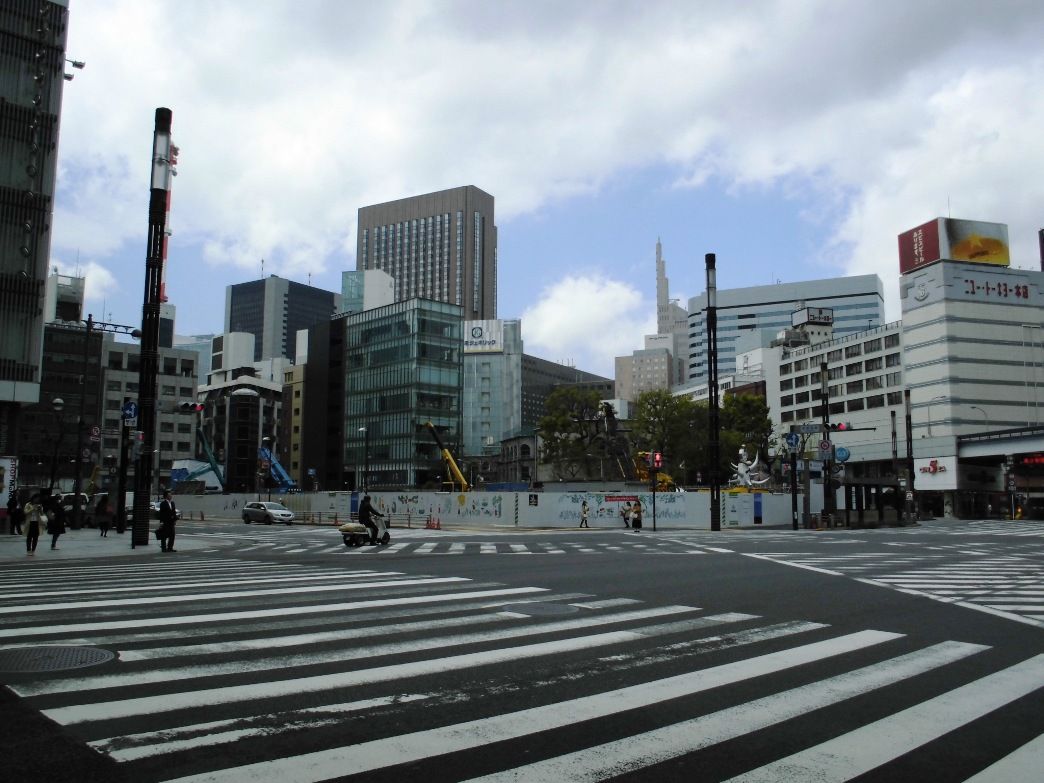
<point>168,515</point>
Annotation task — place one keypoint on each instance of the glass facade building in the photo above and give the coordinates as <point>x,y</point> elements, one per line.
<point>403,367</point>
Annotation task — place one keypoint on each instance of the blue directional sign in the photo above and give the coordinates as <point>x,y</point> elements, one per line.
<point>793,440</point>
<point>841,454</point>
<point>130,410</point>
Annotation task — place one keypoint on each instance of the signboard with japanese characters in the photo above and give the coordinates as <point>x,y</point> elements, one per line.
<point>935,473</point>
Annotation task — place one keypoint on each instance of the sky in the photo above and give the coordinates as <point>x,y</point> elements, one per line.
<point>795,139</point>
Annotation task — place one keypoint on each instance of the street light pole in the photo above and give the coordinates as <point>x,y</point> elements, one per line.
<point>57,404</point>
<point>78,465</point>
<point>366,459</point>
<point>712,388</point>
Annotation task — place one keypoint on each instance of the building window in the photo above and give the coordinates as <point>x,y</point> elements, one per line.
<point>893,360</point>
<point>835,372</point>
<point>801,364</point>
<point>114,386</point>
<point>891,341</point>
<point>786,416</point>
<point>855,405</point>
<point>166,426</point>
<point>167,391</point>
<point>894,379</point>
<point>834,356</point>
<point>895,398</point>
<point>873,364</point>
<point>872,345</point>
<point>800,381</point>
<point>853,369</point>
<point>786,385</point>
<point>877,401</point>
<point>874,382</point>
<point>801,397</point>
<point>853,387</point>
<point>784,369</point>
<point>837,407</point>
<point>853,350</point>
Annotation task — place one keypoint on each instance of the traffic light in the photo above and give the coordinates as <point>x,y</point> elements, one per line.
<point>839,426</point>
<point>657,460</point>
<point>190,407</point>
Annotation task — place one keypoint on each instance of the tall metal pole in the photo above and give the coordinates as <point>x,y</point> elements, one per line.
<point>77,520</point>
<point>366,459</point>
<point>829,498</point>
<point>911,489</point>
<point>712,387</point>
<point>163,160</point>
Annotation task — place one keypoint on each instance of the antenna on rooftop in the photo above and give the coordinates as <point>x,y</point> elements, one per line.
<point>262,269</point>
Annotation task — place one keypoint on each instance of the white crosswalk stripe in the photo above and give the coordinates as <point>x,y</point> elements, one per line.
<point>624,685</point>
<point>1003,586</point>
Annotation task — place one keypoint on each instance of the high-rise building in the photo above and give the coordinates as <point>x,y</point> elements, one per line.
<point>857,303</point>
<point>671,319</point>
<point>32,68</point>
<point>440,246</point>
<point>273,310</point>
<point>365,290</point>
<point>540,377</point>
<point>492,388</point>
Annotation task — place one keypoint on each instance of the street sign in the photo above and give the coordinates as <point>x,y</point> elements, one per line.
<point>86,453</point>
<point>793,440</point>
<point>95,434</point>
<point>130,410</point>
<point>909,497</point>
<point>824,445</point>
<point>842,454</point>
<point>806,429</point>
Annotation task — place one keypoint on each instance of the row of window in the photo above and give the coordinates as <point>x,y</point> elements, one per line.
<point>850,406</point>
<point>848,352</point>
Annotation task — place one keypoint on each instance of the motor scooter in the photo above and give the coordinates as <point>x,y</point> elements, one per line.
<point>356,533</point>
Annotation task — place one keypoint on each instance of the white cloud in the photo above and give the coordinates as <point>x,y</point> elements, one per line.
<point>291,115</point>
<point>586,320</point>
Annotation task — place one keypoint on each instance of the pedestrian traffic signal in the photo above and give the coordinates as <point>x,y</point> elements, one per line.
<point>839,426</point>
<point>190,407</point>
<point>657,460</point>
<point>137,443</point>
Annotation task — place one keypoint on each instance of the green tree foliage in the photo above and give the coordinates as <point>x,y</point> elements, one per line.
<point>568,430</point>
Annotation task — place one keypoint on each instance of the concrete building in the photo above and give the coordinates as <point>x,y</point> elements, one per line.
<point>273,310</point>
<point>540,377</point>
<point>365,290</point>
<point>177,382</point>
<point>671,319</point>
<point>63,300</point>
<point>202,344</point>
<point>291,424</point>
<point>440,246</point>
<point>857,303</point>
<point>32,38</point>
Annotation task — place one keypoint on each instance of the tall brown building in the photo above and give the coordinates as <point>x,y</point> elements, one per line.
<point>440,246</point>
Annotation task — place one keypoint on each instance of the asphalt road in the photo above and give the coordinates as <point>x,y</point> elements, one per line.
<point>276,653</point>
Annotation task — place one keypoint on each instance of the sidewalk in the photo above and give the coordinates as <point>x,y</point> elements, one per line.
<point>88,542</point>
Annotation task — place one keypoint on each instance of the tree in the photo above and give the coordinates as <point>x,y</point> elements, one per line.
<point>671,425</point>
<point>568,430</point>
<point>744,422</point>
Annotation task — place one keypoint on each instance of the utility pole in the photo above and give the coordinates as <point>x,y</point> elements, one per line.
<point>164,158</point>
<point>712,388</point>
<point>77,520</point>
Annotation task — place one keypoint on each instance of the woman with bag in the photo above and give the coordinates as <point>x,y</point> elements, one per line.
<point>34,518</point>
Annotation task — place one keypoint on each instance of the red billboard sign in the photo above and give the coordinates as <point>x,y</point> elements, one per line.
<point>954,240</point>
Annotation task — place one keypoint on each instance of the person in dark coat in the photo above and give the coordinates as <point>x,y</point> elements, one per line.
<point>14,513</point>
<point>168,514</point>
<point>56,520</point>
<point>366,514</point>
<point>102,515</point>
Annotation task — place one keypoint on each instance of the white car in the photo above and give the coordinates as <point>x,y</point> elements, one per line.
<point>267,512</point>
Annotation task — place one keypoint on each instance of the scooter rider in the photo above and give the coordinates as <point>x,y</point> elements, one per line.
<point>366,513</point>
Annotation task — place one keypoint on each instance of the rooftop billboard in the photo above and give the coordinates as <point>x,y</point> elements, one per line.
<point>946,239</point>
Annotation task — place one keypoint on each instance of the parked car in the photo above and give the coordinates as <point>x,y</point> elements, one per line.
<point>267,512</point>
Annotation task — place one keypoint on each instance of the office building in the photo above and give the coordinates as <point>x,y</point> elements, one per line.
<point>32,38</point>
<point>273,310</point>
<point>365,290</point>
<point>440,246</point>
<point>492,390</point>
<point>540,377</point>
<point>671,319</point>
<point>857,304</point>
<point>63,300</point>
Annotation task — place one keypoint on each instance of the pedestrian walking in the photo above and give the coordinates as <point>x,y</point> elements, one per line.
<point>34,518</point>
<point>56,521</point>
<point>168,514</point>
<point>102,515</point>
<point>636,516</point>
<point>15,514</point>
<point>625,512</point>
<point>584,510</point>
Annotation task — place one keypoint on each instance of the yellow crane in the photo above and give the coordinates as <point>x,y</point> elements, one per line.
<point>452,471</point>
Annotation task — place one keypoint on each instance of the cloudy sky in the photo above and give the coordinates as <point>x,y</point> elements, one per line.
<point>794,138</point>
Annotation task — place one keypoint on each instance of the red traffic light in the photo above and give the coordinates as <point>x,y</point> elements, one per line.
<point>190,407</point>
<point>840,426</point>
<point>657,460</point>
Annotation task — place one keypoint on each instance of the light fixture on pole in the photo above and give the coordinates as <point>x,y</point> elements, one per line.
<point>985,417</point>
<point>933,399</point>
<point>57,405</point>
<point>366,458</point>
<point>712,388</point>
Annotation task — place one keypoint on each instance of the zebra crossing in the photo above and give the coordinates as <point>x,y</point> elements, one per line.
<point>231,669</point>
<point>1009,586</point>
<point>312,542</point>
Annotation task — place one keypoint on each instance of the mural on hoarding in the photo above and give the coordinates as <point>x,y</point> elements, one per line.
<point>669,506</point>
<point>8,479</point>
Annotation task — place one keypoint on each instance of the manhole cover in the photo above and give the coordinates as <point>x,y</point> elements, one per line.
<point>536,609</point>
<point>51,659</point>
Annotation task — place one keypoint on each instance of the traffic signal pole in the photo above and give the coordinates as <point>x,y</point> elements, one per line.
<point>829,500</point>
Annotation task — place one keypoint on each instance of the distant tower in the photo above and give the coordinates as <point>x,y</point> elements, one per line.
<point>671,318</point>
